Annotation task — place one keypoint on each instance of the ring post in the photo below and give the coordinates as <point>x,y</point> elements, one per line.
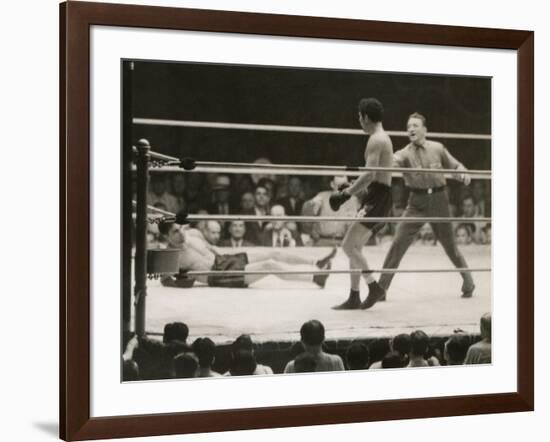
<point>140,269</point>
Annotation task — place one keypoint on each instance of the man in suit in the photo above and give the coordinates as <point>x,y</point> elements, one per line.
<point>222,203</point>
<point>237,230</point>
<point>293,202</point>
<point>276,234</point>
<point>254,229</point>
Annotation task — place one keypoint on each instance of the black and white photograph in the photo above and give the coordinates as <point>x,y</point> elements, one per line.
<point>280,220</point>
<point>274,220</point>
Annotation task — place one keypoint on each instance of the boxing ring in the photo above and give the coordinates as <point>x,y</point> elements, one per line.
<point>423,295</point>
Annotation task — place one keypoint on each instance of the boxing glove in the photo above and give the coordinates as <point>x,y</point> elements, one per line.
<point>337,199</point>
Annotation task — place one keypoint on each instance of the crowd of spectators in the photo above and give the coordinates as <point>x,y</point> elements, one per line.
<point>280,195</point>
<point>173,357</point>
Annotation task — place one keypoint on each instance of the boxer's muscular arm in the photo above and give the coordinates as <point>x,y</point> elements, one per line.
<point>372,159</point>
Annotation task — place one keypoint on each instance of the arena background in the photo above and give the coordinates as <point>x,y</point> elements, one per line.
<point>300,97</point>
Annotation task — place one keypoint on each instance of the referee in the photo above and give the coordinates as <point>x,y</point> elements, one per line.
<point>428,197</point>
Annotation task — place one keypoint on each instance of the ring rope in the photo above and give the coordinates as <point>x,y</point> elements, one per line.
<point>173,164</point>
<point>300,129</point>
<point>379,219</point>
<point>313,167</point>
<point>396,219</point>
<point>479,175</point>
<point>301,169</point>
<point>330,271</point>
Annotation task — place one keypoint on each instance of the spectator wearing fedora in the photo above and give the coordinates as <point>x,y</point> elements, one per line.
<point>222,203</point>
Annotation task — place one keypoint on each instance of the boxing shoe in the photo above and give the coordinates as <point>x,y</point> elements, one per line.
<point>376,293</point>
<point>468,293</point>
<point>352,303</point>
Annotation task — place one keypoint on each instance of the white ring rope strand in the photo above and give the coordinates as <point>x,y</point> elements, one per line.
<point>375,219</point>
<point>299,169</point>
<point>330,272</point>
<point>300,129</point>
<point>334,169</point>
<point>251,218</point>
<point>292,170</point>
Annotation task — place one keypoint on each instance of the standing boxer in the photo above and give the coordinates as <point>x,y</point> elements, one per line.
<point>376,203</point>
<point>428,197</point>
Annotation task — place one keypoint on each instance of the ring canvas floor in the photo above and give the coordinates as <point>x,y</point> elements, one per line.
<point>273,309</point>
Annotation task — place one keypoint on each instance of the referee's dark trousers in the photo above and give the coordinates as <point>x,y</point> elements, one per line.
<point>431,203</point>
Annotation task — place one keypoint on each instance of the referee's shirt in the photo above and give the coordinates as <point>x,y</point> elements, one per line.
<point>431,155</point>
